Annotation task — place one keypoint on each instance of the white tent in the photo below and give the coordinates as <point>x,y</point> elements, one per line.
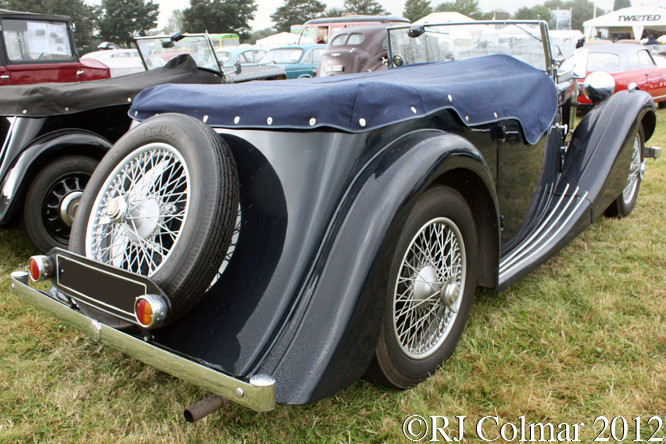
<point>562,36</point>
<point>628,20</point>
<point>281,39</point>
<point>443,17</point>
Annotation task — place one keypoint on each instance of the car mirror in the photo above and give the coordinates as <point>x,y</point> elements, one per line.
<point>416,31</point>
<point>599,86</point>
<point>237,67</point>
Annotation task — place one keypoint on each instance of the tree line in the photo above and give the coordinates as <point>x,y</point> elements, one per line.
<point>119,20</point>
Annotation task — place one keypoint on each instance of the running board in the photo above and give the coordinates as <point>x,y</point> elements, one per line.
<point>561,223</point>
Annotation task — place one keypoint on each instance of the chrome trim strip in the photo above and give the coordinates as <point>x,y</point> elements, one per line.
<point>543,244</point>
<point>509,259</point>
<point>89,298</point>
<point>258,395</point>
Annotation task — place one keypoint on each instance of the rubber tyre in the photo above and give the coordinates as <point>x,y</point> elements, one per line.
<point>60,177</point>
<point>206,231</point>
<point>391,365</point>
<point>619,208</point>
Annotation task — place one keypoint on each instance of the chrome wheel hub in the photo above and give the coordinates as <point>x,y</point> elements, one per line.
<point>116,209</point>
<point>426,284</point>
<point>146,218</point>
<point>451,295</point>
<point>428,291</point>
<point>68,207</point>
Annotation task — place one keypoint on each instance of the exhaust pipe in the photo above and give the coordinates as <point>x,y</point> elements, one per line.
<point>204,408</point>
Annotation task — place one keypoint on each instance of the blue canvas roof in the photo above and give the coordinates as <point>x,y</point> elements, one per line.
<point>480,90</point>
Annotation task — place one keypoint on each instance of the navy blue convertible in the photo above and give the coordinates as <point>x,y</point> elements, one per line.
<point>275,242</point>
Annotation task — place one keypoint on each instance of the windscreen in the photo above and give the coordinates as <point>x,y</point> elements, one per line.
<point>433,43</point>
<point>31,40</point>
<point>199,47</point>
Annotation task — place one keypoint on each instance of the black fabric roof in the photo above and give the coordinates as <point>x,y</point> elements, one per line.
<point>480,90</point>
<point>46,99</point>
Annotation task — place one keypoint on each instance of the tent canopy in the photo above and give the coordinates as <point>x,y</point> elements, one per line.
<point>635,19</point>
<point>281,39</point>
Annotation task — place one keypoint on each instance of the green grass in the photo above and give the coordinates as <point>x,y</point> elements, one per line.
<point>582,336</point>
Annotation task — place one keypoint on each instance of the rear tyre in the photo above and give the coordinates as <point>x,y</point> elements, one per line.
<point>624,204</point>
<point>52,201</point>
<point>431,286</point>
<point>162,203</point>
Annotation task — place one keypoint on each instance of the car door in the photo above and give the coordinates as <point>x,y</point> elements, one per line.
<point>39,51</point>
<point>655,77</point>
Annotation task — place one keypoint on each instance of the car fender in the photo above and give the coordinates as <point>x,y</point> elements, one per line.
<point>28,163</point>
<point>599,153</point>
<point>331,336</point>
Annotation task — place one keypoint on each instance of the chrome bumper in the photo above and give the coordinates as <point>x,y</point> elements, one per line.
<point>258,394</point>
<point>652,152</point>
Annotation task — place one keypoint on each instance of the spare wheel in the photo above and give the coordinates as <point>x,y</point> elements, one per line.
<point>162,203</point>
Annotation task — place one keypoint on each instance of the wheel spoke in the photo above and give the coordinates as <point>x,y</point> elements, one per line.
<point>421,320</point>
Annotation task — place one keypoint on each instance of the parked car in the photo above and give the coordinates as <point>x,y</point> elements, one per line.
<point>275,244</point>
<point>39,48</point>
<point>54,135</point>
<point>299,61</point>
<point>357,49</point>
<point>244,54</point>
<point>626,63</point>
<point>321,30</point>
<point>124,61</point>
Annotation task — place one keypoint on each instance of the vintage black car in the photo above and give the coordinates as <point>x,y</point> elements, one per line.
<point>53,135</point>
<point>269,248</point>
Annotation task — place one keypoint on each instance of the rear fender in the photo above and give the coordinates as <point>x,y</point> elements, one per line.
<point>331,338</point>
<point>31,160</point>
<point>599,154</point>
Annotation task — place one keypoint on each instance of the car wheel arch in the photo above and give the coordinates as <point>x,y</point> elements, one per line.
<point>486,217</point>
<point>44,150</point>
<point>391,185</point>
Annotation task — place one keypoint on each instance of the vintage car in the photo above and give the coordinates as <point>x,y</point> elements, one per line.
<point>39,48</point>
<point>626,63</point>
<point>124,61</point>
<point>321,30</point>
<point>53,135</point>
<point>357,49</point>
<point>299,61</point>
<point>245,55</point>
<point>269,248</point>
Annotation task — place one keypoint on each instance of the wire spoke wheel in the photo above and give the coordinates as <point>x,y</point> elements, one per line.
<point>625,202</point>
<point>162,203</point>
<point>431,281</point>
<point>139,214</point>
<point>635,172</point>
<point>433,268</point>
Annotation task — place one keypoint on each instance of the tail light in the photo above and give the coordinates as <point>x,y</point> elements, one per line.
<point>151,310</point>
<point>40,268</point>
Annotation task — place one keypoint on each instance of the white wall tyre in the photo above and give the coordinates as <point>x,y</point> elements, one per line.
<point>162,203</point>
<point>430,290</point>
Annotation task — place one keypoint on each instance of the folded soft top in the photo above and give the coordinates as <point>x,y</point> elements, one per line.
<point>47,99</point>
<point>480,90</point>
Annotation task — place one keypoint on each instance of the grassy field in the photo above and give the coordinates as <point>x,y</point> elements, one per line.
<point>583,336</point>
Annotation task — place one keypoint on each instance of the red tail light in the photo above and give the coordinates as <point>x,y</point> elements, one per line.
<point>151,310</point>
<point>40,268</point>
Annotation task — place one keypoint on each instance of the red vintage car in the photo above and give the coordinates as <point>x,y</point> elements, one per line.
<point>627,63</point>
<point>37,48</point>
